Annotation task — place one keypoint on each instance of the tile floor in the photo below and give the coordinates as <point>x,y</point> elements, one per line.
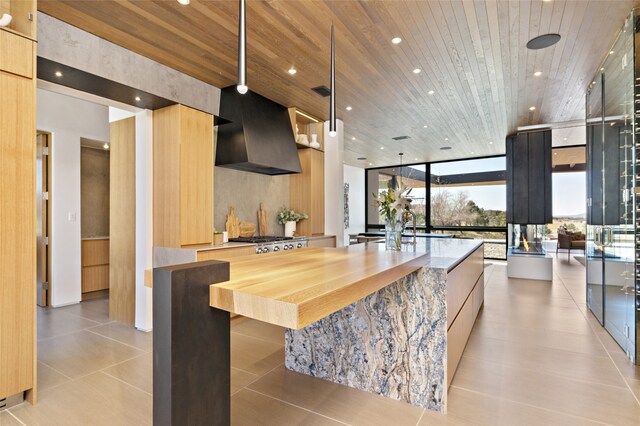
<point>535,357</point>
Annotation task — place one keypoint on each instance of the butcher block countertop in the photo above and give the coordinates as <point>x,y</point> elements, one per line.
<point>297,288</point>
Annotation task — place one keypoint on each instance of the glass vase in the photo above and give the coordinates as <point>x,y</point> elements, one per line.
<point>393,234</point>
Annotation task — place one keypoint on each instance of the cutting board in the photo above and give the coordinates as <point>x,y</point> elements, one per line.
<point>262,222</point>
<point>233,224</point>
<point>247,229</point>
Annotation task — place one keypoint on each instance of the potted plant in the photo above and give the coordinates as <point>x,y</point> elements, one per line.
<point>395,207</point>
<point>289,218</point>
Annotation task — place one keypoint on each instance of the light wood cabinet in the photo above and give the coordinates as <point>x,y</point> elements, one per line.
<point>225,254</point>
<point>17,215</point>
<point>328,241</point>
<point>183,158</point>
<point>23,14</point>
<point>307,192</point>
<point>95,265</point>
<point>306,125</point>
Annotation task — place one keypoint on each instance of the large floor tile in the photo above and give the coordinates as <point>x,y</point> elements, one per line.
<point>96,400</point>
<point>254,355</point>
<point>7,419</point>
<point>94,310</point>
<point>126,334</point>
<point>83,352</point>
<point>137,372</point>
<point>598,369</point>
<point>240,379</point>
<point>475,409</point>
<point>53,322</point>
<point>603,403</point>
<point>251,408</point>
<point>342,403</point>
<point>48,377</point>
<point>259,329</point>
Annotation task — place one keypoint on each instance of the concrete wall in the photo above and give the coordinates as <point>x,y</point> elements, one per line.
<point>245,191</point>
<point>67,119</point>
<point>68,45</point>
<point>94,192</point>
<point>355,177</point>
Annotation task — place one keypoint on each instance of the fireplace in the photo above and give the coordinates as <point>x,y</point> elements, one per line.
<point>526,239</point>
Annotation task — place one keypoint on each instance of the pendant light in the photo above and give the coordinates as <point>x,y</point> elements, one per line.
<point>242,48</point>
<point>332,100</point>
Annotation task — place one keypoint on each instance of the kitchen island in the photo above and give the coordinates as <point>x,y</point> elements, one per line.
<point>393,323</point>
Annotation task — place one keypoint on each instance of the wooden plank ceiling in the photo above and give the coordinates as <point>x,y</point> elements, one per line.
<point>472,55</point>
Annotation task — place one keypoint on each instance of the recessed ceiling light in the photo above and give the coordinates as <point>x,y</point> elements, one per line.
<point>396,40</point>
<point>371,164</point>
<point>184,2</point>
<point>431,92</point>
<point>565,139</point>
<point>138,99</point>
<point>611,52</point>
<point>292,71</point>
<point>425,126</point>
<point>532,108</point>
<point>382,147</point>
<point>349,108</point>
<point>415,159</point>
<point>417,71</point>
<point>105,146</point>
<point>446,139</point>
<point>472,152</point>
<point>555,153</point>
<point>490,143</point>
<point>353,138</point>
<point>537,73</point>
<point>602,69</point>
<point>58,74</point>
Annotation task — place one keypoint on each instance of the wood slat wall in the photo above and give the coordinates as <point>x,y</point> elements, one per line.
<point>472,55</point>
<point>122,225</point>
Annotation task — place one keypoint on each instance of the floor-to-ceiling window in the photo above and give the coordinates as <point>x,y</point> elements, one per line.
<point>569,190</point>
<point>466,198</point>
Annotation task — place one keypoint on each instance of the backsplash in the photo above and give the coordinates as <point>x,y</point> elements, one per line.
<point>245,191</point>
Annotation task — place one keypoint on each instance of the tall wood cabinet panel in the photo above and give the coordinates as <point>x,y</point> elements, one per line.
<point>307,192</point>
<point>183,156</point>
<point>23,14</point>
<point>122,223</point>
<point>17,216</point>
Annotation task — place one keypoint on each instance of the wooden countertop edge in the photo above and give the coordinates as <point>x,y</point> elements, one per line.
<point>298,316</point>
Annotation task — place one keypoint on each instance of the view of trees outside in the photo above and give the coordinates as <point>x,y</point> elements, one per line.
<point>458,209</point>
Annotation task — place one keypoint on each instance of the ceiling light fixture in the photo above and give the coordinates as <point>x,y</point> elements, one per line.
<point>611,52</point>
<point>446,139</point>
<point>490,143</point>
<point>542,41</point>
<point>353,138</point>
<point>106,146</point>
<point>415,159</point>
<point>242,48</point>
<point>382,147</point>
<point>371,164</point>
<point>602,69</point>
<point>417,71</point>
<point>431,92</point>
<point>292,71</point>
<point>532,108</point>
<point>184,2</point>
<point>58,74</point>
<point>138,99</point>
<point>332,100</point>
<point>315,120</point>
<point>537,73</point>
<point>396,40</point>
<point>425,126</point>
<point>348,108</point>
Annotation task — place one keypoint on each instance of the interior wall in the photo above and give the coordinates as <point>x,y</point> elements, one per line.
<point>355,176</point>
<point>245,191</point>
<point>94,192</point>
<point>334,183</point>
<point>68,120</point>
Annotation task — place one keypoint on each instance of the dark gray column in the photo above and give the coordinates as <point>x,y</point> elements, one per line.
<point>191,347</point>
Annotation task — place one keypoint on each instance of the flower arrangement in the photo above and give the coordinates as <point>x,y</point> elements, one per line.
<point>394,202</point>
<point>395,206</point>
<point>287,215</point>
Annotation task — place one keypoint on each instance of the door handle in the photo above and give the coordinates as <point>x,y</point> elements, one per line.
<point>597,236</point>
<point>609,233</point>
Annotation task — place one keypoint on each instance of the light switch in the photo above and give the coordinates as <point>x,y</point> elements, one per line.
<point>72,217</point>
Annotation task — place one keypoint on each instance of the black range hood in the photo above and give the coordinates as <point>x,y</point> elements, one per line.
<point>259,138</point>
